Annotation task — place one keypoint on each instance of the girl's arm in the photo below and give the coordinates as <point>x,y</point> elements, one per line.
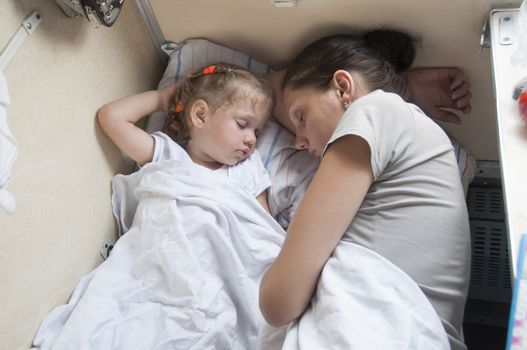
<point>326,211</point>
<point>118,119</point>
<point>262,199</point>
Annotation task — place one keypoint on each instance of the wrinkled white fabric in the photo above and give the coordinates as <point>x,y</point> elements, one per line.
<point>186,276</point>
<point>365,302</point>
<point>8,150</point>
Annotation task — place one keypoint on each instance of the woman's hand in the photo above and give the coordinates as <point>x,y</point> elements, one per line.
<point>433,89</point>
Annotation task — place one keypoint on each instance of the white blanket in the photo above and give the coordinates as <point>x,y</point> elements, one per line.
<point>186,276</point>
<point>363,301</point>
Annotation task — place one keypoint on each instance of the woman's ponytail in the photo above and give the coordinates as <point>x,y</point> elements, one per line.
<point>396,47</point>
<point>378,56</point>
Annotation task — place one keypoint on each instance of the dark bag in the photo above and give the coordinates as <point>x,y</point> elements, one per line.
<point>98,12</point>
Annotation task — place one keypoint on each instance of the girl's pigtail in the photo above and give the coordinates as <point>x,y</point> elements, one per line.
<point>176,116</point>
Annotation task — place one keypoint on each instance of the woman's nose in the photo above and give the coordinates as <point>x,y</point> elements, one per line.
<point>300,142</point>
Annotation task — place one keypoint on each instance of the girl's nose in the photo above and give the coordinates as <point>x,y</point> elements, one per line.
<point>249,141</point>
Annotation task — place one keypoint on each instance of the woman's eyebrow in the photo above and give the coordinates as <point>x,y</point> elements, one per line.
<point>290,111</point>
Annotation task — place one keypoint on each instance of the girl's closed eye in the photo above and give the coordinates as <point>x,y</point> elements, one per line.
<point>241,123</point>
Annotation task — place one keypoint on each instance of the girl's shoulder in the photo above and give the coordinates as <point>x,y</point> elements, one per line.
<point>166,148</point>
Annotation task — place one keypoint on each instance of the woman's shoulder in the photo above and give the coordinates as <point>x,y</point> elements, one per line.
<point>381,100</point>
<point>390,109</point>
<point>377,108</point>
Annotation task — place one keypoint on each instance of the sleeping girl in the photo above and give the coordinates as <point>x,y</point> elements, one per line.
<point>185,274</point>
<point>215,118</point>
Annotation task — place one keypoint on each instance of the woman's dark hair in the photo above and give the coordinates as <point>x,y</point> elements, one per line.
<point>378,56</point>
<point>219,85</point>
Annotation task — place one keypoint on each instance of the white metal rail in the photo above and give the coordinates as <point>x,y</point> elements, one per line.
<point>29,24</point>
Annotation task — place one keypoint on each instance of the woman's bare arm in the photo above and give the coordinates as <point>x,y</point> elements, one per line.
<point>327,209</point>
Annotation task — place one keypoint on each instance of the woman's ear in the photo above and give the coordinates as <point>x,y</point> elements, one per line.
<point>344,84</point>
<point>198,113</point>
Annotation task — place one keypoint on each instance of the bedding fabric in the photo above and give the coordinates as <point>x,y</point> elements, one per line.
<point>186,275</point>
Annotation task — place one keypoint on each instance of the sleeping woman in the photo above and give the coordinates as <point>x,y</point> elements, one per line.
<point>387,181</point>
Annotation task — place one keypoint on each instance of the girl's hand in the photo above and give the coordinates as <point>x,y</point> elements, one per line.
<point>434,89</point>
<point>166,94</point>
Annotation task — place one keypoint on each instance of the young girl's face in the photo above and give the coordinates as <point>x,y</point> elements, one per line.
<point>315,116</point>
<point>230,132</point>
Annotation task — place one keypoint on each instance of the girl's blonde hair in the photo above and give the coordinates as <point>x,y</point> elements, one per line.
<point>218,85</point>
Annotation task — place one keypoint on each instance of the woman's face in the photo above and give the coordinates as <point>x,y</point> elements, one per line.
<point>315,115</point>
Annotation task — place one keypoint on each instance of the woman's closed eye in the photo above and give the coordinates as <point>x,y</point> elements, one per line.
<point>301,118</point>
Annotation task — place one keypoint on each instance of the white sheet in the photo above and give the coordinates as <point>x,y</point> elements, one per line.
<point>186,276</point>
<point>364,302</point>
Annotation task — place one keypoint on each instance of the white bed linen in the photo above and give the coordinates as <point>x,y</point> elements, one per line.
<point>362,302</point>
<point>186,275</point>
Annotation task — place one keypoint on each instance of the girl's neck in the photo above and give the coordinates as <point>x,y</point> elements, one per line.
<point>201,158</point>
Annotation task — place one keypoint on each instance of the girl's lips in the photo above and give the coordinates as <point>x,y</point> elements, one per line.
<point>245,151</point>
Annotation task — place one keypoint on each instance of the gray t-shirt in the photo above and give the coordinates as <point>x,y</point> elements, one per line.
<point>414,213</point>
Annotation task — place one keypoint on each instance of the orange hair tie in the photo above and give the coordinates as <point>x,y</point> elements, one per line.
<point>209,70</point>
<point>179,107</point>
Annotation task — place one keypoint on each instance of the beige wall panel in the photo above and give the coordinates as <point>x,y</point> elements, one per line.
<point>61,180</point>
<point>450,30</point>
